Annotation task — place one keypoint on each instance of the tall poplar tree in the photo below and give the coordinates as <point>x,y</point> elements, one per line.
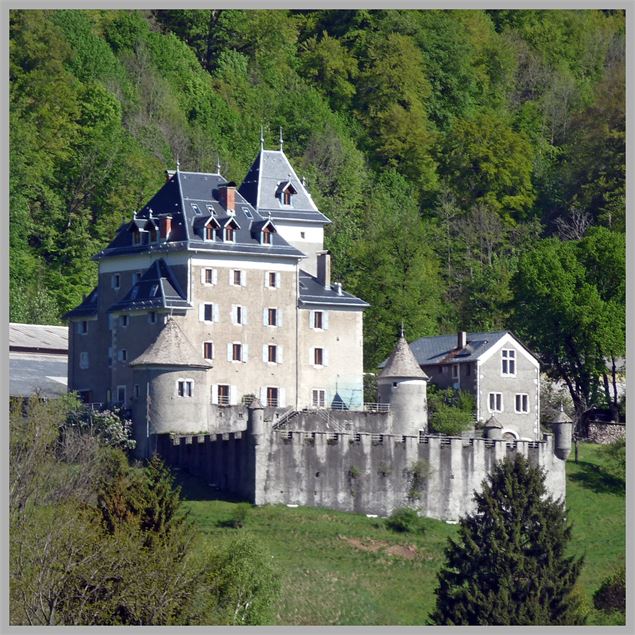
<point>508,566</point>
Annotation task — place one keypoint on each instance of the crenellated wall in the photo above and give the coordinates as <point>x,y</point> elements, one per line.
<point>358,472</point>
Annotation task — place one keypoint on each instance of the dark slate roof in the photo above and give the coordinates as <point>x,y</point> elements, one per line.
<point>180,196</point>
<point>86,308</point>
<point>268,176</point>
<point>171,348</point>
<point>442,348</point>
<point>314,293</point>
<point>402,363</point>
<point>156,289</point>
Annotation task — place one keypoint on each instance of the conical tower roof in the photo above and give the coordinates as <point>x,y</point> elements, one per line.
<point>402,363</point>
<point>493,422</point>
<point>171,348</point>
<point>561,417</point>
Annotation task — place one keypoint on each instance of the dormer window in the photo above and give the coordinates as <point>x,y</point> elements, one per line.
<point>266,235</point>
<point>229,231</point>
<point>209,232</point>
<point>286,198</point>
<point>154,235</point>
<point>136,237</point>
<point>285,192</point>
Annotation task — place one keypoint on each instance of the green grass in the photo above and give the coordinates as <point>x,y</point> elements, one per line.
<point>330,575</point>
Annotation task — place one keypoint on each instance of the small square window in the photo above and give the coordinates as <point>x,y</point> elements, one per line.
<point>208,312</point>
<point>318,356</point>
<point>237,277</point>
<point>209,276</point>
<point>521,403</point>
<point>223,395</point>
<point>272,280</point>
<point>208,350</point>
<point>272,317</point>
<point>237,351</point>
<point>272,397</point>
<point>318,398</point>
<point>272,353</point>
<point>318,320</point>
<point>184,387</point>
<point>495,402</point>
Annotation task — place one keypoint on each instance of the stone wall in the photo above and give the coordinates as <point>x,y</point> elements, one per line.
<point>355,472</point>
<point>600,432</point>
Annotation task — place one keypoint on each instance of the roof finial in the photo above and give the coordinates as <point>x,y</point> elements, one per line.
<point>401,334</point>
<point>217,163</point>
<point>281,142</point>
<point>262,138</point>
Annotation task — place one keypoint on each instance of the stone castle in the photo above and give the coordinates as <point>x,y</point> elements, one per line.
<point>216,324</point>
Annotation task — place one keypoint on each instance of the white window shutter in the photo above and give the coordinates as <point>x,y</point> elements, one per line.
<point>265,353</point>
<point>202,275</point>
<point>312,355</point>
<point>266,279</point>
<point>214,276</point>
<point>229,352</point>
<point>279,354</point>
<point>277,279</point>
<point>282,402</point>
<point>215,393</point>
<point>263,395</point>
<point>265,317</point>
<point>311,319</point>
<point>232,314</point>
<point>201,312</point>
<point>325,357</point>
<point>325,320</point>
<point>245,349</point>
<point>279,317</point>
<point>232,395</point>
<point>215,313</point>
<point>244,315</point>
<point>243,279</point>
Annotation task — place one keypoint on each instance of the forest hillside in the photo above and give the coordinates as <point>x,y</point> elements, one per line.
<point>472,162</point>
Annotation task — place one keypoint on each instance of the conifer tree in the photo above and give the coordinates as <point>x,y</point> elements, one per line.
<point>508,566</point>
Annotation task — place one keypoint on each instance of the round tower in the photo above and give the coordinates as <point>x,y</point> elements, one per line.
<point>174,395</point>
<point>562,428</point>
<point>403,385</point>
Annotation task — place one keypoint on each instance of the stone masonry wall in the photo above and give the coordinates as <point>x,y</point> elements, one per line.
<point>600,432</point>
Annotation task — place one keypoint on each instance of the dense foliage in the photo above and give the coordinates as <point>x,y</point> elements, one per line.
<point>508,565</point>
<point>450,411</point>
<point>453,150</point>
<point>96,541</point>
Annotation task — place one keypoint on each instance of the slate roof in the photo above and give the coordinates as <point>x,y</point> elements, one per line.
<point>171,348</point>
<point>268,176</point>
<point>180,196</point>
<point>442,348</point>
<point>88,306</point>
<point>41,373</point>
<point>313,292</point>
<point>40,338</point>
<point>402,363</point>
<point>157,288</point>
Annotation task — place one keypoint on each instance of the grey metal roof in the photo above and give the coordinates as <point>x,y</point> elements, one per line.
<point>181,196</point>
<point>41,373</point>
<point>402,363</point>
<point>38,338</point>
<point>157,288</point>
<point>268,176</point>
<point>442,349</point>
<point>313,293</point>
<point>171,348</point>
<point>87,307</point>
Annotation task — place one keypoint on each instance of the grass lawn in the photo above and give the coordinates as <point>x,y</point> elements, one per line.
<point>340,568</point>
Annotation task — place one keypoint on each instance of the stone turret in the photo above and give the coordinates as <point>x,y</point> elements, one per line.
<point>404,386</point>
<point>173,378</point>
<point>255,420</point>
<point>492,428</point>
<point>562,428</point>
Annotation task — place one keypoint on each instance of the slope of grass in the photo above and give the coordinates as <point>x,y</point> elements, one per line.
<point>340,568</point>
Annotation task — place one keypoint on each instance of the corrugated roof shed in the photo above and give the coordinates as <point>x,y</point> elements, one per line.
<point>38,337</point>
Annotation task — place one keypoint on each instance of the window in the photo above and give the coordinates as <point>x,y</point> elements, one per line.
<point>286,197</point>
<point>318,398</point>
<point>247,213</point>
<point>116,281</point>
<point>237,279</point>
<point>136,391</point>
<point>123,355</point>
<point>152,317</point>
<point>184,387</point>
<point>508,359</point>
<point>208,350</point>
<point>455,371</point>
<point>136,277</point>
<point>237,352</point>
<point>83,360</point>
<point>272,317</point>
<point>318,356</point>
<point>136,238</point>
<point>208,312</point>
<point>266,236</point>
<point>124,320</point>
<point>272,353</point>
<point>302,235</point>
<point>83,327</point>
<point>121,394</point>
<point>495,402</point>
<point>210,210</point>
<point>521,403</point>
<point>272,397</point>
<point>230,234</point>
<point>223,395</point>
<point>197,211</point>
<point>317,320</point>
<point>239,314</point>
<point>209,232</point>
<point>272,280</point>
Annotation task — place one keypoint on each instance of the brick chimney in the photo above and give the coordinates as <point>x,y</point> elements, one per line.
<point>227,195</point>
<point>165,225</point>
<point>461,340</point>
<point>324,268</point>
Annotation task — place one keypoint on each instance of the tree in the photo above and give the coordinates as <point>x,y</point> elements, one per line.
<point>508,566</point>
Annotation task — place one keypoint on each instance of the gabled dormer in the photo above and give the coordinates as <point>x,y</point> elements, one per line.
<point>263,231</point>
<point>206,227</point>
<point>285,192</point>
<point>230,227</point>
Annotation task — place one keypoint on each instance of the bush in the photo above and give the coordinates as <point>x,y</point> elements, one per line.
<point>615,454</point>
<point>611,596</point>
<point>451,411</point>
<point>405,519</point>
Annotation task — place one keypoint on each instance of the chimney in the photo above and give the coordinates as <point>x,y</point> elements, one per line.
<point>338,288</point>
<point>227,195</point>
<point>461,340</point>
<point>165,225</point>
<point>324,268</point>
